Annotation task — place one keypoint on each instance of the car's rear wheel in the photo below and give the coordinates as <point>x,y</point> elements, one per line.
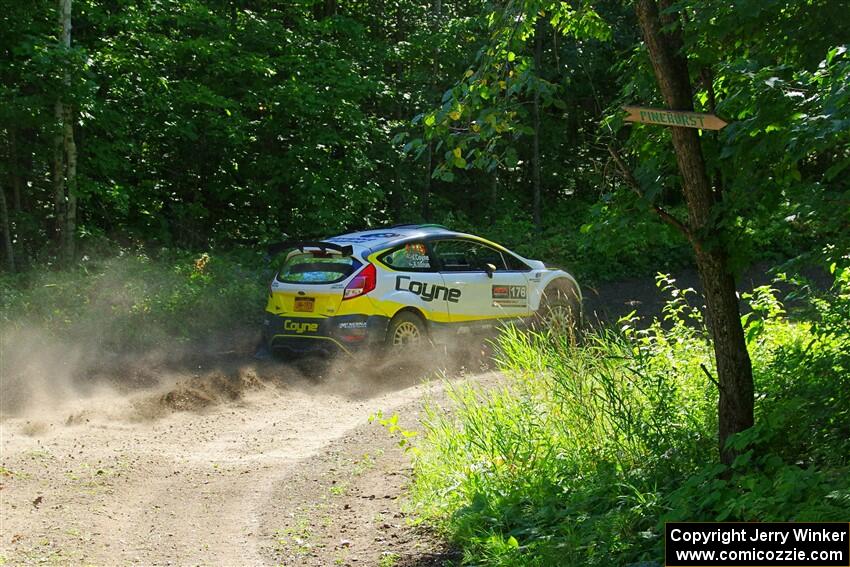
<point>405,329</point>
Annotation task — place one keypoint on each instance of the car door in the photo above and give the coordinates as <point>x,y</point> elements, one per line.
<point>481,298</point>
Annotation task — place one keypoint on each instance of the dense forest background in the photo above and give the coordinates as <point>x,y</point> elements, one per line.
<point>199,123</point>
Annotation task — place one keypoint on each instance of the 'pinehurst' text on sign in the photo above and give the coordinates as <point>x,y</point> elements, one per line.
<point>673,118</point>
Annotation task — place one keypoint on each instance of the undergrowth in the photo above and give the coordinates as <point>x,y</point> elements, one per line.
<point>584,452</point>
<point>136,300</point>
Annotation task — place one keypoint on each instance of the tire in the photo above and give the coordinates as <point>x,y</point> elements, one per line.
<point>559,312</point>
<point>406,328</point>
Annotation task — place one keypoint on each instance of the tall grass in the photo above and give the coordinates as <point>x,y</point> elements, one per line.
<point>583,452</point>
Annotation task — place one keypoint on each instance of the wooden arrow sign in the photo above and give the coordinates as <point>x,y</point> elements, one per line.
<point>673,118</point>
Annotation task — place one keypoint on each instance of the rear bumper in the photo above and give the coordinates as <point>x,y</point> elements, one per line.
<point>326,335</point>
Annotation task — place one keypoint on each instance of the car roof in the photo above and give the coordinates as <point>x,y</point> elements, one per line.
<point>366,242</point>
<point>378,238</point>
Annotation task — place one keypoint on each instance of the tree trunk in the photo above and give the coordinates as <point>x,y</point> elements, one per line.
<point>58,174</point>
<point>734,370</point>
<point>535,158</point>
<point>425,195</point>
<point>71,186</point>
<point>9,255</point>
<point>397,195</point>
<point>494,196</point>
<point>16,170</point>
<point>436,10</point>
<point>65,155</point>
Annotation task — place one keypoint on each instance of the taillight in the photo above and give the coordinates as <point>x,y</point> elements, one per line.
<point>363,283</point>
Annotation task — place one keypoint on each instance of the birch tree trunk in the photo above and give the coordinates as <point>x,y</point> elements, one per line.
<point>65,154</point>
<point>70,148</point>
<point>734,369</point>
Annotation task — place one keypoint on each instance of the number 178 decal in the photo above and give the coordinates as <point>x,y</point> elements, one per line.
<point>509,295</point>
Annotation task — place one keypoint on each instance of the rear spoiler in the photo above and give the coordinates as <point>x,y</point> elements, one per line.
<point>273,250</point>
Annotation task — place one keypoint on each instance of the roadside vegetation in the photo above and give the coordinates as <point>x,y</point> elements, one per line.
<point>137,301</point>
<point>591,445</point>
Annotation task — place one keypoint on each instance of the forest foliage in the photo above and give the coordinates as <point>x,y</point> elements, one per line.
<point>221,123</point>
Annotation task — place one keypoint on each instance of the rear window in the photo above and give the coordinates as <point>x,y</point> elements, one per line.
<point>317,267</point>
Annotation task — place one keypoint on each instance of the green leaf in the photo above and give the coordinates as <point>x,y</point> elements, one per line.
<point>833,171</point>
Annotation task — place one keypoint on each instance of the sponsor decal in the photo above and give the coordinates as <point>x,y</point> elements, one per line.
<point>352,325</point>
<point>417,256</point>
<point>509,295</point>
<point>509,292</point>
<point>428,292</point>
<point>299,327</point>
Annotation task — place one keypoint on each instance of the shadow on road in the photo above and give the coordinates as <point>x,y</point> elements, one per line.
<point>434,559</point>
<point>607,302</point>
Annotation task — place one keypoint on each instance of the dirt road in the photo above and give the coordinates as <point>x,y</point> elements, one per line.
<point>249,465</point>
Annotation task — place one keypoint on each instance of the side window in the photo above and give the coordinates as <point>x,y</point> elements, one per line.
<point>412,257</point>
<point>466,256</point>
<point>515,264</point>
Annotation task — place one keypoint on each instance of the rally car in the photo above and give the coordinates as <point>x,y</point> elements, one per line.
<point>407,284</point>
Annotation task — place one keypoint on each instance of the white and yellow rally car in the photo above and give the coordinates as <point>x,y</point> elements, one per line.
<point>405,284</point>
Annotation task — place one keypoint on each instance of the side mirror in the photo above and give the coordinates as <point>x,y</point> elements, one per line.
<point>490,269</point>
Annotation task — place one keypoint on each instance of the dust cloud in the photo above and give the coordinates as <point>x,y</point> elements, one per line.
<point>91,340</point>
<point>49,378</point>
